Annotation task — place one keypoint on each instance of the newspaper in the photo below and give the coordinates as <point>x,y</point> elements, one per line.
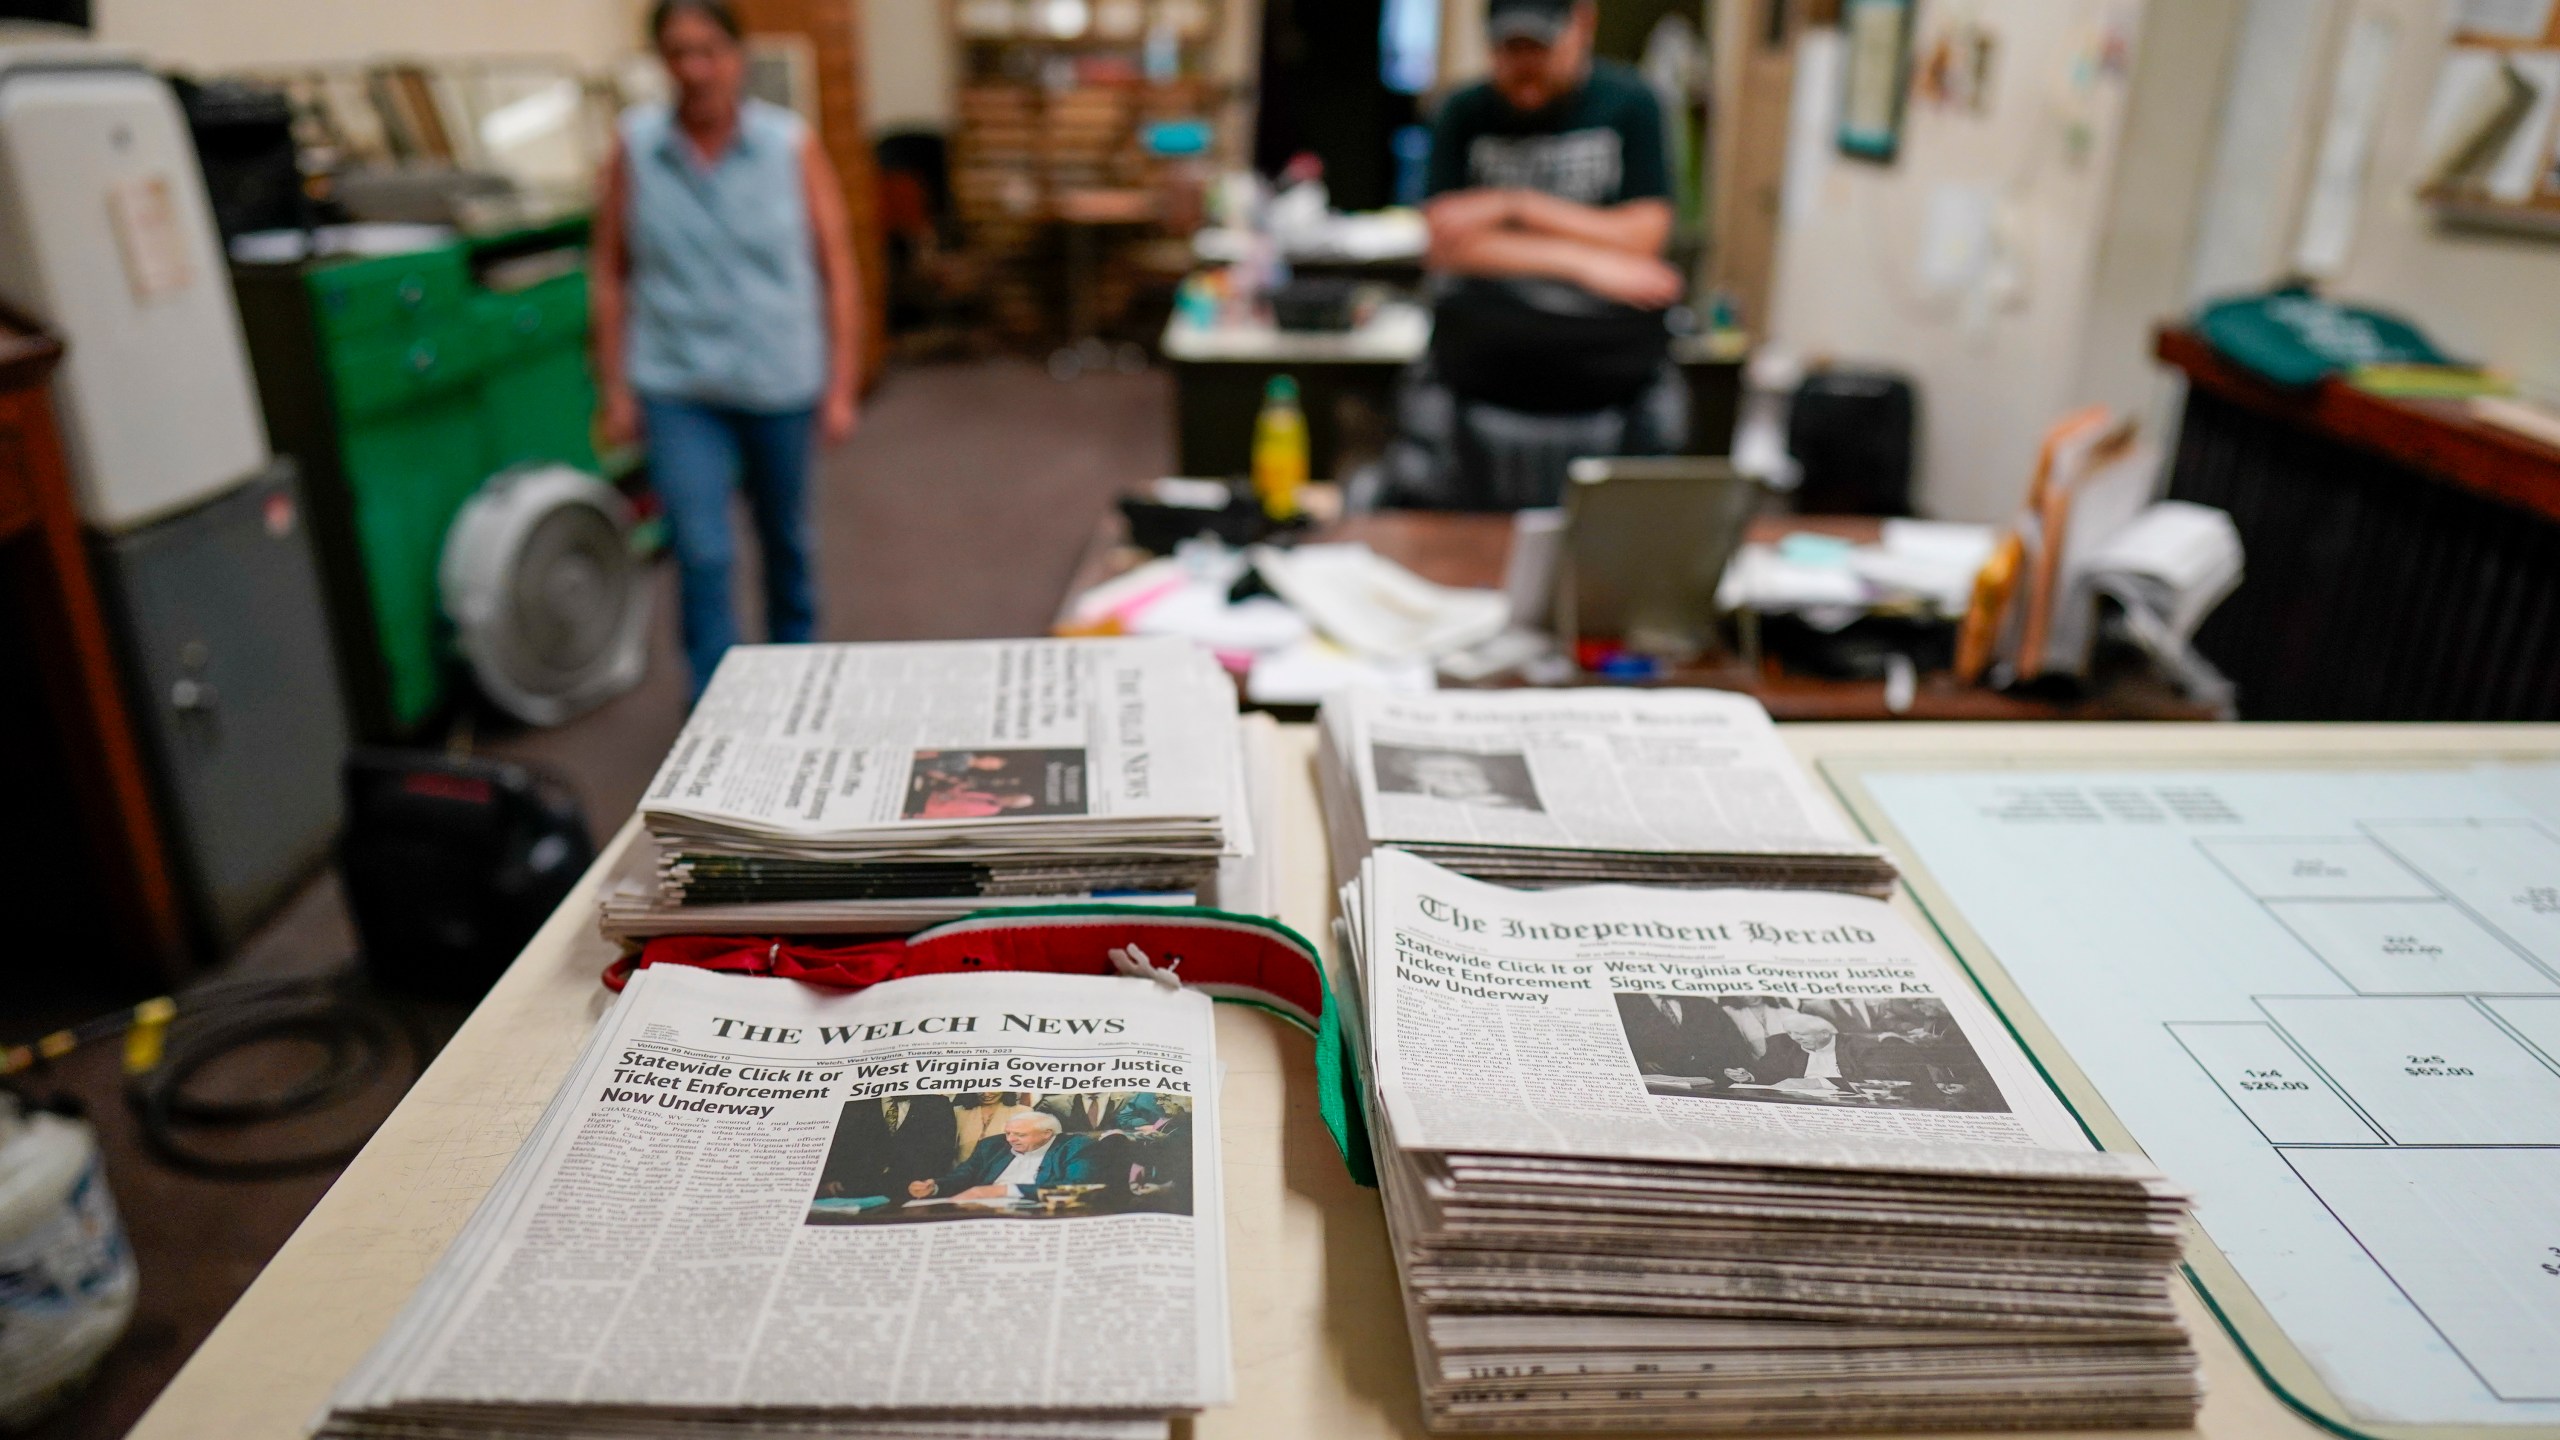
<point>867,789</point>
<point>1670,786</point>
<point>1822,1027</point>
<point>1738,1160</point>
<point>830,741</point>
<point>947,1203</point>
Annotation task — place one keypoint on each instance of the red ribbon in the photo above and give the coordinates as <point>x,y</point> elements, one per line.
<point>834,967</point>
<point>1230,955</point>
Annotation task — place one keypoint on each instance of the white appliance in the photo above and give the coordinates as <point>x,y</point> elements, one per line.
<point>548,603</point>
<point>106,237</point>
<point>195,528</point>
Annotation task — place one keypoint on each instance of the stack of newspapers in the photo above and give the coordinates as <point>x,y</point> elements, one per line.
<point>757,1210</point>
<point>1739,1161</point>
<point>853,789</point>
<point>1534,788</point>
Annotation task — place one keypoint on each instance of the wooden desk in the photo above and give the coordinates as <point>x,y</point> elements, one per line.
<point>77,762</point>
<point>1472,551</point>
<point>1320,1341</point>
<point>2404,557</point>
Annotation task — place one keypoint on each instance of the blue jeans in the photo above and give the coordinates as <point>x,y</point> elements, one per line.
<point>698,456</point>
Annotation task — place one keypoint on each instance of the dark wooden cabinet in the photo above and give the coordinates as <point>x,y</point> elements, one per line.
<point>81,853</point>
<point>2403,555</point>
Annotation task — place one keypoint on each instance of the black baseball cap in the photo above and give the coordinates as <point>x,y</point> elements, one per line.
<point>1541,20</point>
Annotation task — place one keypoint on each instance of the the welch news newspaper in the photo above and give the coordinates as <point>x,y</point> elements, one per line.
<point>822,740</point>
<point>755,1199</point>
<point>851,789</point>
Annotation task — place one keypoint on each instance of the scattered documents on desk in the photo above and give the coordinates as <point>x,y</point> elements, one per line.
<point>733,1220</point>
<point>1916,563</point>
<point>1186,595</point>
<point>879,788</point>
<point>1379,608</point>
<point>2089,528</point>
<point>2168,570</point>
<point>1735,1161</point>
<point>1337,617</point>
<point>1553,787</point>
<point>1314,667</point>
<point>2176,561</point>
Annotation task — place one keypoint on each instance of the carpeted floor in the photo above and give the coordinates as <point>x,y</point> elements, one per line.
<point>959,510</point>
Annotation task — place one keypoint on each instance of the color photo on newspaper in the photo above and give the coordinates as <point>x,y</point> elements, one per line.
<point>986,784</point>
<point>1904,1052</point>
<point>910,1157</point>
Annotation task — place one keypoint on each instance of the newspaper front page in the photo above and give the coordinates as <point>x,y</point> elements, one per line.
<point>818,740</point>
<point>1685,771</point>
<point>1775,1027</point>
<point>1671,1159</point>
<point>952,1196</point>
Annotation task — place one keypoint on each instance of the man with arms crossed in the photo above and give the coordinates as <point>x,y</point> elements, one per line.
<point>1549,211</point>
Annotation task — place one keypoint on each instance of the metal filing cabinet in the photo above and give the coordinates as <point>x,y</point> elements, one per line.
<point>219,611</point>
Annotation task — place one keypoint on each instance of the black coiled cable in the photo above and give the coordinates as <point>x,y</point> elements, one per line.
<point>171,1042</point>
<point>357,1036</point>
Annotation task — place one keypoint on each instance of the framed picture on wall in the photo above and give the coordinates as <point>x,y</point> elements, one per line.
<point>1878,40</point>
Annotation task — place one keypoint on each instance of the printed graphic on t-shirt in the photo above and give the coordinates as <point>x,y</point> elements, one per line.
<point>1579,165</point>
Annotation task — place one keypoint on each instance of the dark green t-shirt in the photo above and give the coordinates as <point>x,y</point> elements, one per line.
<point>1600,145</point>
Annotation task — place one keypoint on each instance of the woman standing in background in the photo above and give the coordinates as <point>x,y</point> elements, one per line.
<point>725,320</point>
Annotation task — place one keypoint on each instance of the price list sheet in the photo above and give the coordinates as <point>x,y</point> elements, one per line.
<point>2325,999</point>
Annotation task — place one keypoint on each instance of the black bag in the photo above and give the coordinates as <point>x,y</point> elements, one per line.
<point>451,865</point>
<point>1851,431</point>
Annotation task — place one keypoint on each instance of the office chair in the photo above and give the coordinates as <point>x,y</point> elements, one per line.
<point>1450,452</point>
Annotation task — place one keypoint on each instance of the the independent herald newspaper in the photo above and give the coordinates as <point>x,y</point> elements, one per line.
<point>1779,1028</point>
<point>812,741</point>
<point>955,1196</point>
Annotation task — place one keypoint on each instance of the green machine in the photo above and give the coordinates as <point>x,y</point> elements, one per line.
<point>401,383</point>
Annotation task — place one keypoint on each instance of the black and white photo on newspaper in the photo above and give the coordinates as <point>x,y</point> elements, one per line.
<point>1641,1023</point>
<point>1551,787</point>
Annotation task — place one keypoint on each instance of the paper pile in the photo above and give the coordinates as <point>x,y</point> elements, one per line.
<point>1337,617</point>
<point>2172,565</point>
<point>1926,564</point>
<point>1739,1161</point>
<point>835,789</point>
<point>1552,787</point>
<point>1377,607</point>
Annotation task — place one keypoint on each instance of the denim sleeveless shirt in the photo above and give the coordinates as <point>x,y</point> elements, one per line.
<point>725,302</point>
